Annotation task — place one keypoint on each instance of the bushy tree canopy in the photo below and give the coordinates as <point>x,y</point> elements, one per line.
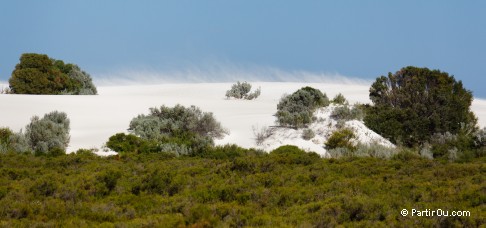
<point>414,103</point>
<point>297,110</point>
<point>39,74</point>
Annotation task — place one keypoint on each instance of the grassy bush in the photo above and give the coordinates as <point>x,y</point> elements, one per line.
<point>262,134</point>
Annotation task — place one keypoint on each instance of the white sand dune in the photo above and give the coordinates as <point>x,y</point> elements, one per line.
<point>95,118</point>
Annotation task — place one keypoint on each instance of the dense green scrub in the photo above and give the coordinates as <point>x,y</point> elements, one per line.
<point>241,189</point>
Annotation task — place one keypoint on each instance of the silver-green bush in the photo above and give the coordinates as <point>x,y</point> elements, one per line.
<point>241,90</point>
<point>50,132</point>
<point>177,121</point>
<point>363,150</point>
<point>297,110</point>
<point>308,134</point>
<point>346,113</point>
<point>87,87</point>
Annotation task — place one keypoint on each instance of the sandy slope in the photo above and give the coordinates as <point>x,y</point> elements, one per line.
<point>323,129</point>
<point>95,118</point>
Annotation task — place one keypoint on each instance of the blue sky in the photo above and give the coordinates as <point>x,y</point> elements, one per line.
<point>361,39</point>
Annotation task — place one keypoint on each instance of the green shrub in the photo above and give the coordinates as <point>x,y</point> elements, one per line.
<point>339,99</point>
<point>109,178</point>
<point>297,110</point>
<point>45,186</point>
<point>5,135</point>
<point>406,155</point>
<point>341,139</point>
<point>229,151</point>
<point>123,143</point>
<point>290,154</point>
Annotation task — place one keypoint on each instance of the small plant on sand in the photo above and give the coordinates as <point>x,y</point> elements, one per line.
<point>241,90</point>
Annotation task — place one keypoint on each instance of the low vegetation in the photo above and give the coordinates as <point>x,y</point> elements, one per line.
<point>232,186</point>
<point>168,172</point>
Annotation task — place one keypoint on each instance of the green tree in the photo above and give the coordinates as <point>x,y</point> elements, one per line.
<point>39,74</point>
<point>415,103</point>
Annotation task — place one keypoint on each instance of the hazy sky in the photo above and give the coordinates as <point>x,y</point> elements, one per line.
<point>362,39</point>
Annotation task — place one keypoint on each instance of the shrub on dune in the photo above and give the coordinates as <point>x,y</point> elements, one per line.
<point>297,110</point>
<point>242,91</point>
<point>178,130</point>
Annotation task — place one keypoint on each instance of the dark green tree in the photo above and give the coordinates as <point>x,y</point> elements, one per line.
<point>415,103</point>
<point>39,74</point>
